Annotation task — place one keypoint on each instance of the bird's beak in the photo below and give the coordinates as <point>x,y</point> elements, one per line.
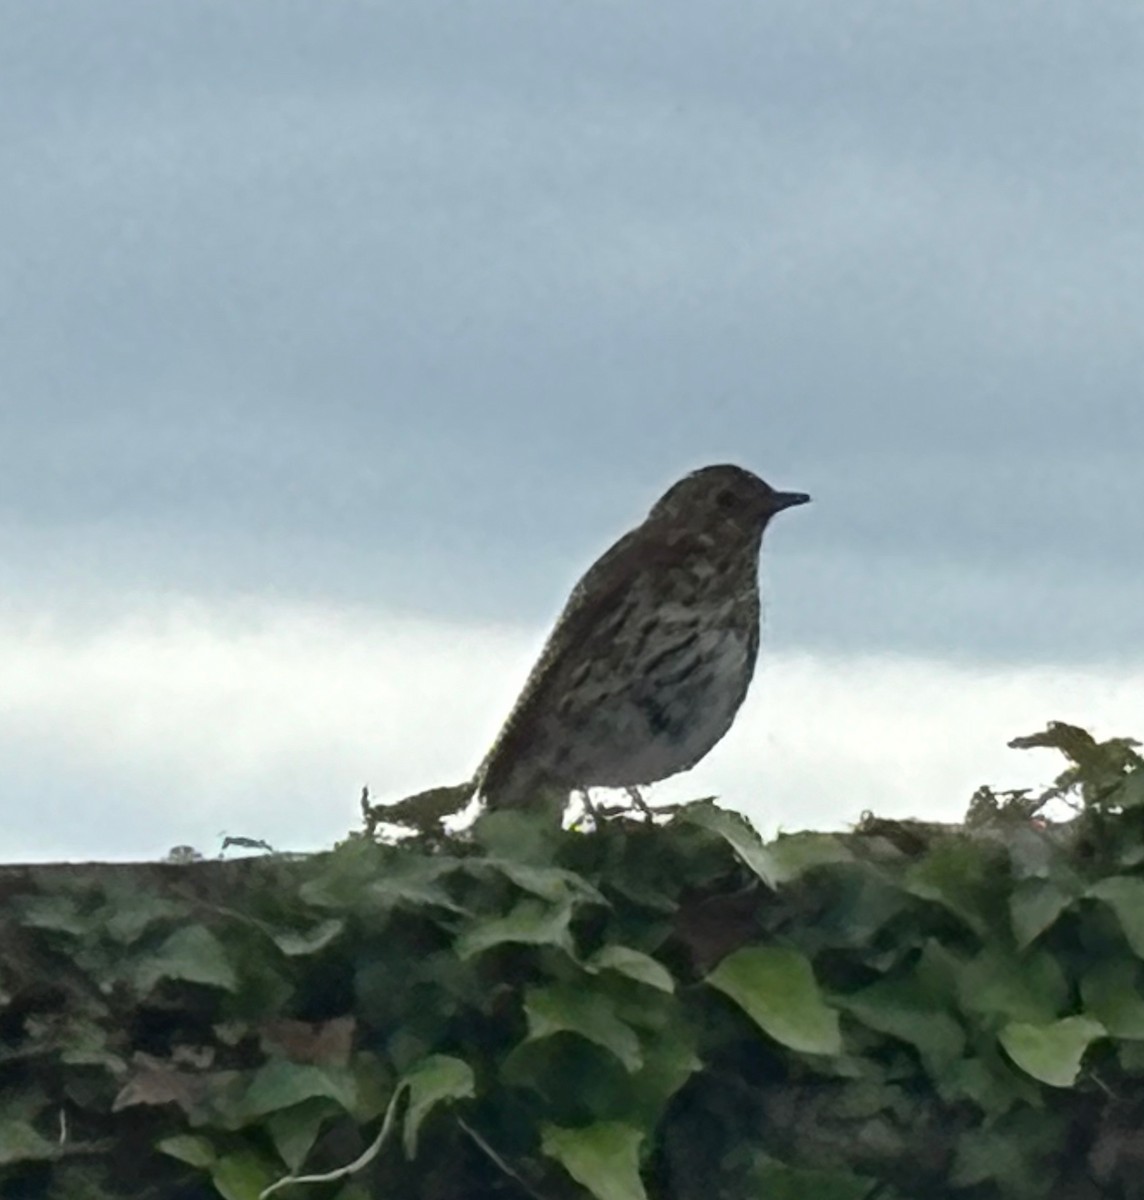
<point>781,500</point>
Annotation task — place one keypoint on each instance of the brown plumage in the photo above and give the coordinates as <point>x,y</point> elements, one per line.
<point>653,653</point>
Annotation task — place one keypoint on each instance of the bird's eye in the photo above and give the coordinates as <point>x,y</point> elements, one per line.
<point>726,500</point>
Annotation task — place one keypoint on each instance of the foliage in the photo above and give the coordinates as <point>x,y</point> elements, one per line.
<point>646,1010</point>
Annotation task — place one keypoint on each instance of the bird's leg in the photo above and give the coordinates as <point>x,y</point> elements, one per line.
<point>633,794</point>
<point>589,808</point>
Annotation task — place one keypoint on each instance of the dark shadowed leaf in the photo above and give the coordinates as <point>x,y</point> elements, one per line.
<point>324,1043</point>
<point>903,1009</point>
<point>1130,793</point>
<point>1112,995</point>
<point>19,1142</point>
<point>1029,987</point>
<point>777,1181</point>
<point>957,874</point>
<point>1124,894</point>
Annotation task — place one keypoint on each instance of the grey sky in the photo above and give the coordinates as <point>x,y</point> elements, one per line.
<point>425,303</point>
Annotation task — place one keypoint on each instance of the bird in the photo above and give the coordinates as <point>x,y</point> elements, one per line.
<point>653,654</point>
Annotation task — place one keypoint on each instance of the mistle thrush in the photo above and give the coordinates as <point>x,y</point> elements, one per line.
<point>653,653</point>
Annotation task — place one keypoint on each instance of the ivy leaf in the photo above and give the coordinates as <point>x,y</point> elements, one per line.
<point>300,942</point>
<point>432,1081</point>
<point>1111,994</point>
<point>1051,1052</point>
<point>553,884</point>
<point>1130,793</point>
<point>280,1084</point>
<point>777,990</point>
<point>1034,906</point>
<point>294,1130</point>
<point>604,1158</point>
<point>188,1148</point>
<point>1124,894</point>
<point>669,1062</point>
<point>19,1142</point>
<point>193,954</point>
<point>1029,988</point>
<point>564,1008</point>
<point>901,1009</point>
<point>957,874</point>
<point>131,917</point>
<point>241,1176</point>
<point>739,834</point>
<point>793,854</point>
<point>634,964</point>
<point>530,922</point>
<point>59,913</point>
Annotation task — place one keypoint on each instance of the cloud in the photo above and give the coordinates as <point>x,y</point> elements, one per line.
<point>183,719</point>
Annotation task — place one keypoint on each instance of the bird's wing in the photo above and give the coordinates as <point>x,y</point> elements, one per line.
<point>599,594</point>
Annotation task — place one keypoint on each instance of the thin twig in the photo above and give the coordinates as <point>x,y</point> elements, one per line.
<point>500,1162</point>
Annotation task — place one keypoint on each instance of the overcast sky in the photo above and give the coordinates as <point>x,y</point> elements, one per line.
<point>337,339</point>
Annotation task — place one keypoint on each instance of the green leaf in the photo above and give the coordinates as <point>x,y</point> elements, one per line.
<point>778,1181</point>
<point>1130,793</point>
<point>294,1130</point>
<point>135,912</point>
<point>431,1082</point>
<point>634,964</point>
<point>566,1008</point>
<point>193,954</point>
<point>530,922</point>
<point>1051,1052</point>
<point>902,1009</point>
<point>19,1142</point>
<point>669,1062</point>
<point>298,943</point>
<point>1111,994</point>
<point>1124,894</point>
<point>739,834</point>
<point>186,1147</point>
<point>777,990</point>
<point>523,835</point>
<point>791,855</point>
<point>553,884</point>
<point>363,877</point>
<point>53,911</point>
<point>281,1083</point>
<point>1034,906</point>
<point>997,983</point>
<point>604,1158</point>
<point>242,1176</point>
<point>957,873</point>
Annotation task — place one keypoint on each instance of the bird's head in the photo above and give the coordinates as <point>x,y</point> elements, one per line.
<point>724,498</point>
